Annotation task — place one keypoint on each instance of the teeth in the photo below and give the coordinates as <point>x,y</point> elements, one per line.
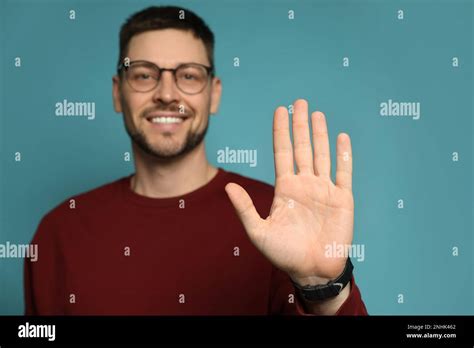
<point>166,120</point>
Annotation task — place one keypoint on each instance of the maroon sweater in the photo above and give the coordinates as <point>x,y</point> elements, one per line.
<point>111,251</point>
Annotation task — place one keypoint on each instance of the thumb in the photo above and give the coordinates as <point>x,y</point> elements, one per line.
<point>244,207</point>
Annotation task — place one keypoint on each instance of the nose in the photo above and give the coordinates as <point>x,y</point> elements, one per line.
<point>166,91</point>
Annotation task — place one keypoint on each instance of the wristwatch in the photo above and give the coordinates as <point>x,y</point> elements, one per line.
<point>315,293</point>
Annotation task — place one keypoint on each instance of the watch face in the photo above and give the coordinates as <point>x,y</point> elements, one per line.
<point>339,287</point>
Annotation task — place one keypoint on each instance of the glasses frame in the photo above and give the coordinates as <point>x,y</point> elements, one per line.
<point>209,70</point>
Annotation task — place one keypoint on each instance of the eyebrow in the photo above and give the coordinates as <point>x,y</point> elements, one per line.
<point>177,64</point>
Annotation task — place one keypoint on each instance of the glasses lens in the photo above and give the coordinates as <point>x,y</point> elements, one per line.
<point>142,77</point>
<point>191,79</point>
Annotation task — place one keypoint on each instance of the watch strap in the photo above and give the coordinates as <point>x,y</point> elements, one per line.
<point>314,293</point>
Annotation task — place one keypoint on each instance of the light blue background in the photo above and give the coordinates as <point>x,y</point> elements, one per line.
<point>407,251</point>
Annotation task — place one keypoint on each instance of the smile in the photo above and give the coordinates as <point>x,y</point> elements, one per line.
<point>166,120</point>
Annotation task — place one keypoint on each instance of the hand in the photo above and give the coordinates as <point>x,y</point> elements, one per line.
<point>309,211</point>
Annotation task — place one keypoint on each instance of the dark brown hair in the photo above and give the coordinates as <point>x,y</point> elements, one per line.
<point>166,17</point>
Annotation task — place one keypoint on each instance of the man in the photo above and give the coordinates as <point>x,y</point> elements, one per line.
<point>181,237</point>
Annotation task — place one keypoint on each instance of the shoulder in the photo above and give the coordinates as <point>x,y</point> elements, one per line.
<point>77,207</point>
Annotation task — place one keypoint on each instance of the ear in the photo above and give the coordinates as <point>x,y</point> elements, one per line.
<point>117,98</point>
<point>216,92</point>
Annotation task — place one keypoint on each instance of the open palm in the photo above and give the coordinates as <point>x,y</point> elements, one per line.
<point>309,212</point>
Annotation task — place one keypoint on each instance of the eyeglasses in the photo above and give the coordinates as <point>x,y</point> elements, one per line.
<point>144,76</point>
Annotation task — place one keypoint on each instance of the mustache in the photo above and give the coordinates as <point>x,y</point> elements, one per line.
<point>175,109</point>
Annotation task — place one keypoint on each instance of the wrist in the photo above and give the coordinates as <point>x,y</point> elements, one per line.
<point>315,289</point>
<point>328,306</point>
<point>309,281</point>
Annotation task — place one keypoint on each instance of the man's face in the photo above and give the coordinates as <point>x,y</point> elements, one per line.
<point>166,48</point>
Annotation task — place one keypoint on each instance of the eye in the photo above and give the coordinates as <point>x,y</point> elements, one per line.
<point>190,74</point>
<point>139,73</point>
<point>142,76</point>
<point>189,77</point>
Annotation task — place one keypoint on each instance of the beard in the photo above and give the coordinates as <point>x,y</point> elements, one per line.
<point>167,150</point>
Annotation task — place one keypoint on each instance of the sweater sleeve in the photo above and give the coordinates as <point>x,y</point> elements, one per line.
<point>284,301</point>
<point>42,278</point>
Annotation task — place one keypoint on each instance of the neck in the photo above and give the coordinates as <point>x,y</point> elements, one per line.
<point>162,179</point>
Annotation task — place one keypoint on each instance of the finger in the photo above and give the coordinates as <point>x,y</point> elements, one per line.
<point>344,162</point>
<point>283,151</point>
<point>244,207</point>
<point>322,156</point>
<point>301,139</point>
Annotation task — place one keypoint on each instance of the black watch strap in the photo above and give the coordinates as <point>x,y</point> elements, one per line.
<point>314,293</point>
